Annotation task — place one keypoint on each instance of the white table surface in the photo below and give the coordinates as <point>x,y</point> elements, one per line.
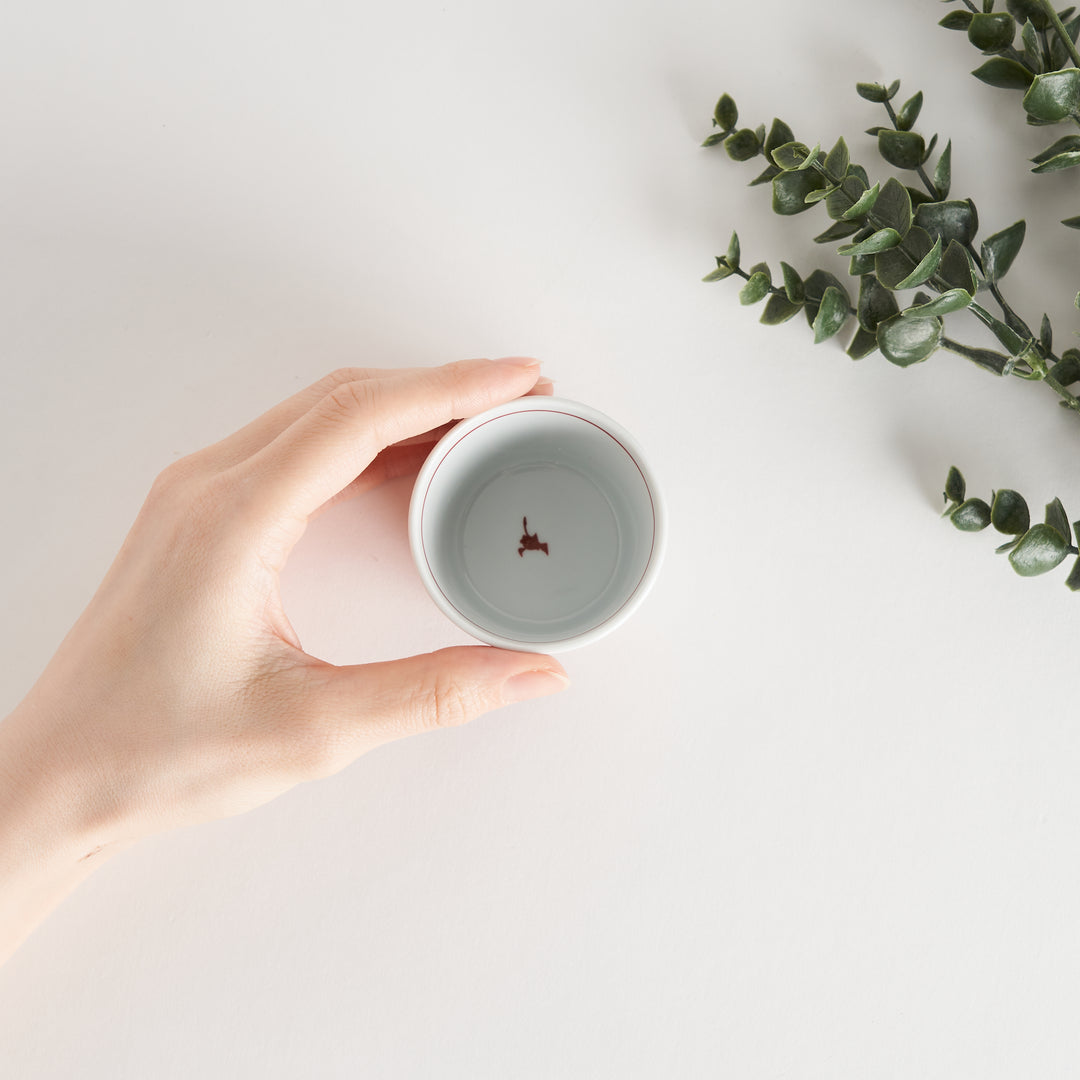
<point>812,813</point>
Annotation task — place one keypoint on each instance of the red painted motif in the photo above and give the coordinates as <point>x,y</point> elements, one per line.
<point>530,541</point>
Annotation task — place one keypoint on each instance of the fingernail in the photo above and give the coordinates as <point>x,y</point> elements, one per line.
<point>543,383</point>
<point>533,684</point>
<point>518,361</point>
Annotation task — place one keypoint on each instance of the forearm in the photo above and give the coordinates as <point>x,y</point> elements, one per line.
<point>51,836</point>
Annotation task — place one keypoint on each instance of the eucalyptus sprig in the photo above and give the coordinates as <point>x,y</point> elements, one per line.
<point>1033,549</point>
<point>1046,66</point>
<point>897,238</point>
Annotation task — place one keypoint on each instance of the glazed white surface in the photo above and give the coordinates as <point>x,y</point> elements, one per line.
<point>586,483</point>
<point>811,813</point>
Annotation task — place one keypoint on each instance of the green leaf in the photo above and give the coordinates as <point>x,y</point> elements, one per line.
<point>832,314</point>
<point>957,270</point>
<point>838,160</point>
<point>790,155</point>
<point>988,360</point>
<point>778,310</point>
<point>1040,550</point>
<point>844,197</point>
<point>908,341</point>
<point>879,241</point>
<point>956,20</point>
<point>862,344</point>
<point>973,515</point>
<point>743,145</point>
<point>876,304</point>
<point>1046,334</point>
<point>1056,518</point>
<point>1004,333</point>
<point>992,33</point>
<point>893,87</point>
<point>1024,10</point>
<point>999,251</point>
<point>1067,370</point>
<point>1071,222</point>
<point>863,205</point>
<point>1003,73</point>
<point>733,252</point>
<point>1062,161</point>
<point>722,271</point>
<point>726,114</point>
<point>838,230</point>
<point>909,112</point>
<point>861,265</point>
<point>953,300</point>
<point>779,135</point>
<point>789,191</point>
<point>943,172</point>
<point>1059,53</point>
<point>1030,41</point>
<point>1054,96</point>
<point>755,289</point>
<point>1064,145</point>
<point>955,486</point>
<point>1073,580</point>
<point>817,195</point>
<point>765,176</point>
<point>893,207</point>
<point>903,149</point>
<point>793,284</point>
<point>815,287</point>
<point>912,264</point>
<point>872,91</point>
<point>954,220</point>
<point>1009,512</point>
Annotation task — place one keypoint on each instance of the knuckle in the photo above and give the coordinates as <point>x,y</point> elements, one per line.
<point>357,404</point>
<point>339,377</point>
<point>170,486</point>
<point>349,400</point>
<point>449,703</point>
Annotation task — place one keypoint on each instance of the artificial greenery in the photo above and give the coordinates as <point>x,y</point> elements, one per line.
<point>1033,549</point>
<point>901,236</point>
<point>1032,48</point>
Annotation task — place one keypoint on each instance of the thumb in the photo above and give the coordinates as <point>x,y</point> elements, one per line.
<point>446,688</point>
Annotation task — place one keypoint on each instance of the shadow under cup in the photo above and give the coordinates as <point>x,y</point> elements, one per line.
<point>536,525</point>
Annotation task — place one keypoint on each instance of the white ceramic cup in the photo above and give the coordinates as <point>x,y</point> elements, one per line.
<point>537,525</point>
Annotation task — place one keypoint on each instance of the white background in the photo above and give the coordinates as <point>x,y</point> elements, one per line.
<point>813,812</point>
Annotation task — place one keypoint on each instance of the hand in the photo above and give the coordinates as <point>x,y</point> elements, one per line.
<point>182,693</point>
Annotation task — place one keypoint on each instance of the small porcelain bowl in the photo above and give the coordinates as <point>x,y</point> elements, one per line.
<point>537,525</point>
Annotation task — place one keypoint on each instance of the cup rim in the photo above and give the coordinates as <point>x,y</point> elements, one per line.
<point>565,407</point>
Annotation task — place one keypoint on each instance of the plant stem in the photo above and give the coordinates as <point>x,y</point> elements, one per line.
<point>996,293</point>
<point>1066,40</point>
<point>1069,399</point>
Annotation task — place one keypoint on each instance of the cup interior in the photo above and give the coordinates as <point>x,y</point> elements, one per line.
<point>536,526</point>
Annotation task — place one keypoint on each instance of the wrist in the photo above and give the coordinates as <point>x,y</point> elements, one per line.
<point>52,831</point>
<point>52,808</point>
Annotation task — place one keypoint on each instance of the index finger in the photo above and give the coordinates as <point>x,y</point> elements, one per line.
<point>329,446</point>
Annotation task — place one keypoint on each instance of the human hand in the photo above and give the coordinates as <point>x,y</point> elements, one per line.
<point>182,693</point>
